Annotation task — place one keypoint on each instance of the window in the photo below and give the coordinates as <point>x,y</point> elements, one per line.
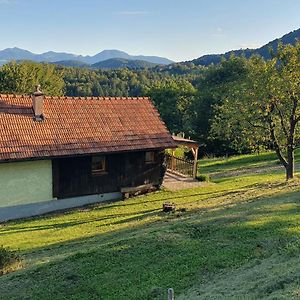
<point>149,157</point>
<point>98,164</point>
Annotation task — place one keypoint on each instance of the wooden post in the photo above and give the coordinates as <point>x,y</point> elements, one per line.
<point>172,160</point>
<point>170,294</point>
<point>195,152</point>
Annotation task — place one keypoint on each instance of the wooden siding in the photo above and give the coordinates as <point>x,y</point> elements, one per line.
<point>73,176</point>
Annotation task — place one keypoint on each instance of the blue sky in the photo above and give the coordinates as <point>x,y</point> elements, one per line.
<point>177,29</point>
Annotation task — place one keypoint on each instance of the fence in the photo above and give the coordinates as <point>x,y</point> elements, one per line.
<point>180,165</point>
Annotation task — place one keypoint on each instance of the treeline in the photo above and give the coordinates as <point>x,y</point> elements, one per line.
<point>208,104</point>
<point>184,95</point>
<point>176,91</point>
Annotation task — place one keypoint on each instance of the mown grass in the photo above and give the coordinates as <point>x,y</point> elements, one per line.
<point>241,162</point>
<point>240,236</point>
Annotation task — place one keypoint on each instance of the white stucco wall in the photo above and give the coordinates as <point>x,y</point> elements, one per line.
<point>25,182</point>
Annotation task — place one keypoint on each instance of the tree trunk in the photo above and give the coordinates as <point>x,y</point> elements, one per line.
<point>290,167</point>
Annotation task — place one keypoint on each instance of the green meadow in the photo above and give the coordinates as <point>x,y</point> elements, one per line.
<point>237,237</point>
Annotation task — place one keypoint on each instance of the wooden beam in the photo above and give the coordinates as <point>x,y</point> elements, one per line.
<point>194,152</point>
<point>172,160</point>
<point>195,163</point>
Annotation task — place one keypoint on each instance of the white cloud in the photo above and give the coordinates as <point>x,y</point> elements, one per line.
<point>250,46</point>
<point>219,32</point>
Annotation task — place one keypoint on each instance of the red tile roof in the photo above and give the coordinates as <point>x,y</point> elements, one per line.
<point>76,126</point>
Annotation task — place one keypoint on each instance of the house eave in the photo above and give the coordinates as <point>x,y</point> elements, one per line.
<point>50,157</point>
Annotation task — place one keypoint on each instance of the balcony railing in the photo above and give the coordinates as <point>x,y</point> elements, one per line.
<point>180,165</point>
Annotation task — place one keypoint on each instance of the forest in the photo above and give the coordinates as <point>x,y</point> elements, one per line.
<point>240,105</point>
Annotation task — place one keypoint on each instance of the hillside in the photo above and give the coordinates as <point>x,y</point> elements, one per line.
<point>15,53</point>
<point>237,236</point>
<point>289,38</point>
<point>72,63</point>
<point>117,63</point>
<point>113,63</point>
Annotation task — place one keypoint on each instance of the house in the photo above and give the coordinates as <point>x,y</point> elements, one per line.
<point>62,152</point>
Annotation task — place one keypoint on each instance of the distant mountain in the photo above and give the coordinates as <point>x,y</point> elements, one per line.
<point>9,54</point>
<point>52,56</point>
<point>117,63</point>
<point>112,63</point>
<point>108,54</point>
<point>289,38</point>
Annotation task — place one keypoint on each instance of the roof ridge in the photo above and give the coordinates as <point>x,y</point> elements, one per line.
<point>5,96</point>
<point>96,98</point>
<point>14,96</point>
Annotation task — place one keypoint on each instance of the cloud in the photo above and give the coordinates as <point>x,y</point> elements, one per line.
<point>219,32</point>
<point>249,46</point>
<point>132,12</point>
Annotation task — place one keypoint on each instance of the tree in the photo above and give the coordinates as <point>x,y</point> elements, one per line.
<point>172,99</point>
<point>263,108</point>
<point>211,88</point>
<point>21,78</point>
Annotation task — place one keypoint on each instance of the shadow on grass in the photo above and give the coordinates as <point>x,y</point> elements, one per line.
<point>127,218</point>
<point>222,212</point>
<point>139,213</point>
<point>142,261</point>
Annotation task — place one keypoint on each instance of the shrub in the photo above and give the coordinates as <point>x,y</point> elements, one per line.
<point>9,261</point>
<point>203,177</point>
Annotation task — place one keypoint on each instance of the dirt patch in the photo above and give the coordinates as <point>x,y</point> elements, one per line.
<point>174,182</point>
<point>247,171</point>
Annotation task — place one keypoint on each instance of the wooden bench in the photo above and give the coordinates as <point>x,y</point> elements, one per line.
<point>128,191</point>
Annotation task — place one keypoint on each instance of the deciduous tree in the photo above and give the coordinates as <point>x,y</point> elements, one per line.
<point>263,109</point>
<point>21,78</point>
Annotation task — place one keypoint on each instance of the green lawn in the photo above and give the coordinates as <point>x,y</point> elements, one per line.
<point>238,236</point>
<point>209,165</point>
<point>266,161</point>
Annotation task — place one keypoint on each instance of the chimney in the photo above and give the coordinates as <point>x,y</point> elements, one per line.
<point>38,104</point>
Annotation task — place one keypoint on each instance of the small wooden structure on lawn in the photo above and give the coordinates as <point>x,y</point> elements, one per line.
<point>181,165</point>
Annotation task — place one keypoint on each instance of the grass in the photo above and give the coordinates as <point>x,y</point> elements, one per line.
<point>249,162</point>
<point>211,165</point>
<point>237,237</point>
<point>9,261</point>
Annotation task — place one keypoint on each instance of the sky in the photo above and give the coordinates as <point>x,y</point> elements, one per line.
<point>176,29</point>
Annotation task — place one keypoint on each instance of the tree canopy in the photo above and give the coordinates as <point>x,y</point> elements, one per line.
<point>21,78</point>
<point>262,109</point>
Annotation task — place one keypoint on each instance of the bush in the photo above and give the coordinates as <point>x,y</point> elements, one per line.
<point>203,177</point>
<point>9,261</point>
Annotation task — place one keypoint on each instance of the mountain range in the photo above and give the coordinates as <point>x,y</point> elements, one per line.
<point>289,38</point>
<point>18,54</point>
<point>114,59</point>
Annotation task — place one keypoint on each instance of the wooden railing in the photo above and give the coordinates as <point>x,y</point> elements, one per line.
<point>180,165</point>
